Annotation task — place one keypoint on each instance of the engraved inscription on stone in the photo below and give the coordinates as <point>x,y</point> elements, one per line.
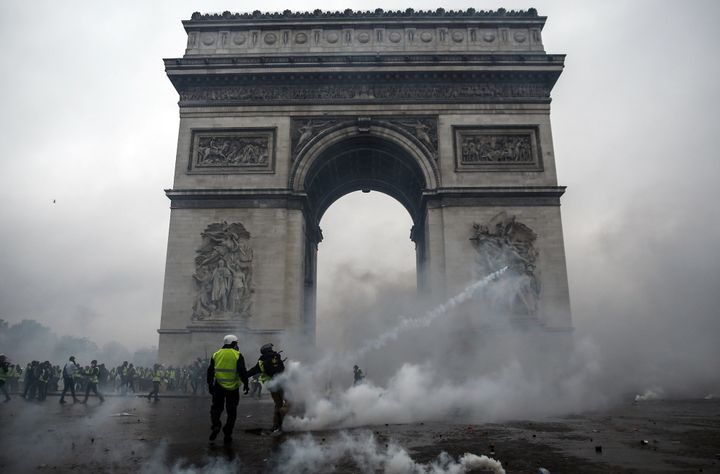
<point>500,242</point>
<point>482,148</point>
<point>237,150</point>
<point>223,274</point>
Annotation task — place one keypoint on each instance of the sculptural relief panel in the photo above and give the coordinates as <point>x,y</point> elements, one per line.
<point>505,242</point>
<point>223,274</point>
<point>497,149</point>
<point>244,150</point>
<point>421,129</point>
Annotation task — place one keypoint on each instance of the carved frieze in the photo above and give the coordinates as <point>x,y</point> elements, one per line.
<point>363,93</point>
<point>393,31</point>
<point>223,274</point>
<point>421,129</point>
<point>500,242</point>
<point>497,149</point>
<point>408,13</point>
<point>232,151</point>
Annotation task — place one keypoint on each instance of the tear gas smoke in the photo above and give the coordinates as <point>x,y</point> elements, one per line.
<point>158,464</point>
<point>524,382</point>
<point>427,320</point>
<point>654,393</point>
<point>306,455</point>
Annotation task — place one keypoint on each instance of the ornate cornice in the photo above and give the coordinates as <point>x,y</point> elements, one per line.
<point>377,13</point>
<point>494,196</point>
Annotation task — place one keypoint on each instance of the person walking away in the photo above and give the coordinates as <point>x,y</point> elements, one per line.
<point>156,378</point>
<point>68,373</point>
<point>270,365</point>
<point>5,375</point>
<point>225,372</point>
<point>92,375</point>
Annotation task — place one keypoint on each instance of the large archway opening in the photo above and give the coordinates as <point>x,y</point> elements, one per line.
<point>363,163</point>
<point>365,264</point>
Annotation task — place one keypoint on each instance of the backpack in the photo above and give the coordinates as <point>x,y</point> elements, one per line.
<point>273,363</point>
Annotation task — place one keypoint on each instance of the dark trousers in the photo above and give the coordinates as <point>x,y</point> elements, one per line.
<point>155,391</point>
<point>92,386</point>
<point>42,391</point>
<point>68,383</point>
<point>4,390</point>
<point>30,389</point>
<point>224,399</point>
<point>280,409</point>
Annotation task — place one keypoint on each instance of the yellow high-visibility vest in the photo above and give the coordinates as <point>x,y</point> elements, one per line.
<point>225,364</point>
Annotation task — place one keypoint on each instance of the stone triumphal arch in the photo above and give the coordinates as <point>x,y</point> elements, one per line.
<point>283,113</point>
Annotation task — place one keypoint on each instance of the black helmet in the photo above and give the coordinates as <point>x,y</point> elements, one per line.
<point>267,349</point>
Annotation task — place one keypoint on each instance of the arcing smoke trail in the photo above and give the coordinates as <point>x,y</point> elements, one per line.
<point>368,404</point>
<point>425,321</point>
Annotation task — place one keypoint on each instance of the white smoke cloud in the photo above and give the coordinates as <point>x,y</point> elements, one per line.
<point>431,375</point>
<point>307,455</point>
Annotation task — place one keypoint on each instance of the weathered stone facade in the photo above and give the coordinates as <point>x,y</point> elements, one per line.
<point>282,114</point>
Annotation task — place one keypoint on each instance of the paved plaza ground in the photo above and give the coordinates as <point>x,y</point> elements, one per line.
<point>129,434</point>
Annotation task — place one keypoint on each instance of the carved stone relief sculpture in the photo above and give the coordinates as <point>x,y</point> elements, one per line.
<point>503,241</point>
<point>223,274</point>
<point>305,130</point>
<point>239,151</point>
<point>371,92</point>
<point>496,149</point>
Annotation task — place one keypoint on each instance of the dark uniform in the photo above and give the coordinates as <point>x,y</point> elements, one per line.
<point>268,366</point>
<point>224,375</point>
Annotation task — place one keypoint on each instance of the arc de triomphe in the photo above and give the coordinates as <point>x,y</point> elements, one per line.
<point>283,113</point>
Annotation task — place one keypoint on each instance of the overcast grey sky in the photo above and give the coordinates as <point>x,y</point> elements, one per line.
<point>90,120</point>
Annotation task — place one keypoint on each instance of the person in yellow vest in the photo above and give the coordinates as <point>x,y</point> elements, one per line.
<point>92,375</point>
<point>224,374</point>
<point>269,365</point>
<point>157,376</point>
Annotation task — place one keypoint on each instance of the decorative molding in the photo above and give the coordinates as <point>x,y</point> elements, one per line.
<point>501,242</point>
<point>230,151</point>
<point>494,196</point>
<point>364,93</point>
<point>422,130</point>
<point>377,13</point>
<point>509,148</point>
<point>378,31</point>
<point>223,274</point>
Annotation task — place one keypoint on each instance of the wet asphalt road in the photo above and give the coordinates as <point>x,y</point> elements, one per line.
<point>127,434</point>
